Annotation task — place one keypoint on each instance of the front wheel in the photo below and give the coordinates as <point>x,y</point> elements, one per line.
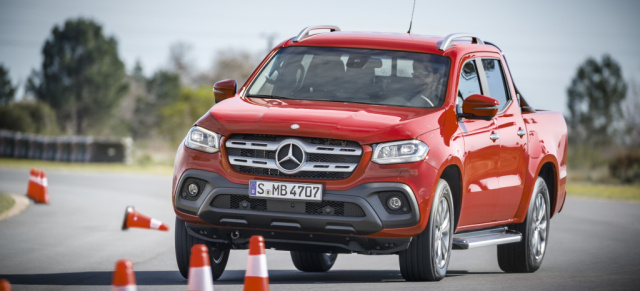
<point>313,262</point>
<point>526,256</point>
<point>427,257</point>
<point>184,241</point>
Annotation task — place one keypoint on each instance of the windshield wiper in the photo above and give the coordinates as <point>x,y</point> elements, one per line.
<point>267,96</point>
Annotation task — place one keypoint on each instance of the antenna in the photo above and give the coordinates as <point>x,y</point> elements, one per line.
<point>412,10</point>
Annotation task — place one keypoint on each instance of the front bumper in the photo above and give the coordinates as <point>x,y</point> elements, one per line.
<point>233,238</point>
<point>355,211</point>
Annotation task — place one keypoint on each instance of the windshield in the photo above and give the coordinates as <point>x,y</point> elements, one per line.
<point>354,75</point>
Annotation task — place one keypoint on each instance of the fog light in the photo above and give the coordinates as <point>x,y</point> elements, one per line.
<point>193,189</point>
<point>394,203</point>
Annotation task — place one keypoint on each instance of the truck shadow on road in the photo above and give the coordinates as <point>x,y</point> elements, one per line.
<point>95,278</point>
<point>230,277</point>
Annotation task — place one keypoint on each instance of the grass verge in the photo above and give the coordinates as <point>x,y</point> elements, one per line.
<point>147,168</point>
<point>604,191</point>
<point>6,202</point>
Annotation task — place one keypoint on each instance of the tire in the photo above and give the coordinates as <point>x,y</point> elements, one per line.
<point>313,262</point>
<point>184,241</point>
<point>428,255</point>
<point>526,256</point>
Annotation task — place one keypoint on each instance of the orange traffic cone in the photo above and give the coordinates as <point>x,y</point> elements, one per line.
<point>257,276</point>
<point>123,277</point>
<point>44,189</point>
<point>38,189</point>
<point>200,278</point>
<point>133,218</point>
<point>4,285</point>
<point>33,183</point>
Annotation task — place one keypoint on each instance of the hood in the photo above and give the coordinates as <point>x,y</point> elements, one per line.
<point>363,123</point>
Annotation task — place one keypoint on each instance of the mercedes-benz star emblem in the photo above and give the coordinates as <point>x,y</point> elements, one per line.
<point>290,156</point>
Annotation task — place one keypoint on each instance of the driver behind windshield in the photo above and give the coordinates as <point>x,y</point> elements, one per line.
<point>428,85</point>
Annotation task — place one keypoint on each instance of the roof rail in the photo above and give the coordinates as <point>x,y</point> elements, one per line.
<point>305,32</point>
<point>448,40</point>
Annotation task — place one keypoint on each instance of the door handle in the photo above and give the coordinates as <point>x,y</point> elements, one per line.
<point>494,136</point>
<point>522,132</point>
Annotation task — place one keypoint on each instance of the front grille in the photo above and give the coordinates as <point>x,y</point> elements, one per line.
<point>255,154</point>
<point>331,208</point>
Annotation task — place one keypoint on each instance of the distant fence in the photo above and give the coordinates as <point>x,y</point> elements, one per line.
<point>83,149</point>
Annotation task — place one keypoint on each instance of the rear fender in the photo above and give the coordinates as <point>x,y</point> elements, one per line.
<point>535,165</point>
<point>547,140</point>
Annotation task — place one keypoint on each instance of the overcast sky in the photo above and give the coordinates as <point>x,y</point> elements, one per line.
<point>545,41</point>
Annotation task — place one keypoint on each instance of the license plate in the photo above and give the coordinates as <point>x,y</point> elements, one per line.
<point>285,190</point>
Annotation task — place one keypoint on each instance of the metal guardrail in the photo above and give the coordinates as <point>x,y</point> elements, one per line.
<point>82,149</point>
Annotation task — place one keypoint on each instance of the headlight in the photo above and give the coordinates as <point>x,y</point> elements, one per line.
<point>201,139</point>
<point>397,152</point>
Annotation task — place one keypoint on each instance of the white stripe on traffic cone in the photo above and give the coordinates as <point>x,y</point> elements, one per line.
<point>257,266</point>
<point>200,278</point>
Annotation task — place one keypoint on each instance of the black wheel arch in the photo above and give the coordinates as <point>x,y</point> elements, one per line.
<point>549,174</point>
<point>453,176</point>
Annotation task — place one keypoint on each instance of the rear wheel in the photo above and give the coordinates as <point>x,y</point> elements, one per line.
<point>313,262</point>
<point>526,256</point>
<point>218,257</point>
<point>427,257</point>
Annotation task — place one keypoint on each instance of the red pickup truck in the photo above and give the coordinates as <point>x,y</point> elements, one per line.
<point>372,143</point>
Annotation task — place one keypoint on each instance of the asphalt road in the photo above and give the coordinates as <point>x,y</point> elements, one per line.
<point>74,242</point>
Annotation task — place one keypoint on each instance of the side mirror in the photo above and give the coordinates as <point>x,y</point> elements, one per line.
<point>479,107</point>
<point>224,89</point>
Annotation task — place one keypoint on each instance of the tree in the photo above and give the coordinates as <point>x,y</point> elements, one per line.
<point>30,117</point>
<point>164,87</point>
<point>631,135</point>
<point>178,118</point>
<point>233,64</point>
<point>82,77</point>
<point>595,96</point>
<point>161,90</point>
<point>180,63</point>
<point>7,90</point>
<point>138,73</point>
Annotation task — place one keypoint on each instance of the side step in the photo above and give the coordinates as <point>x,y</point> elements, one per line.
<point>483,238</point>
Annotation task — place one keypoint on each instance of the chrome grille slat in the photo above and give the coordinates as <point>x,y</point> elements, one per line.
<point>330,159</point>
<point>253,145</point>
<point>253,162</point>
<point>309,166</point>
<point>308,147</point>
